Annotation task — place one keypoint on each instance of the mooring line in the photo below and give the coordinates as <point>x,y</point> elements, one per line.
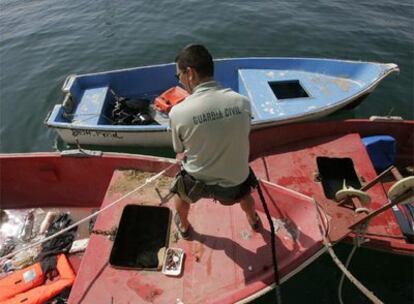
<point>369,294</point>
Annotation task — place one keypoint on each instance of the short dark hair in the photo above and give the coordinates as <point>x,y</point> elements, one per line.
<point>197,57</point>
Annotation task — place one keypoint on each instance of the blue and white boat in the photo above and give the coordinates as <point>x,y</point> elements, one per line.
<point>281,90</point>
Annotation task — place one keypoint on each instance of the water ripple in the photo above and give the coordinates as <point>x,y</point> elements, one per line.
<point>43,41</point>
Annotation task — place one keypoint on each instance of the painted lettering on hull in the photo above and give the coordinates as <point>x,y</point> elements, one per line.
<point>93,133</point>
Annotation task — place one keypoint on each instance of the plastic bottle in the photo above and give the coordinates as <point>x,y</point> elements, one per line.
<point>27,229</point>
<point>44,226</point>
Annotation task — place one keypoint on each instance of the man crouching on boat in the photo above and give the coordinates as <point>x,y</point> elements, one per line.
<point>211,129</point>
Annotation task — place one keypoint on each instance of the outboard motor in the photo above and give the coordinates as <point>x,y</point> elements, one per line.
<point>142,119</point>
<point>140,105</point>
<point>131,111</point>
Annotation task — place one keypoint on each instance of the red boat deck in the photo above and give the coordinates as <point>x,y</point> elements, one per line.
<point>225,260</point>
<point>218,257</point>
<point>293,165</point>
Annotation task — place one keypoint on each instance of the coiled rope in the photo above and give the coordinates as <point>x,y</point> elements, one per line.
<point>147,181</point>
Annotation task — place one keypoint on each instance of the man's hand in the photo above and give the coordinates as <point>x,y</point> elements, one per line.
<point>180,157</point>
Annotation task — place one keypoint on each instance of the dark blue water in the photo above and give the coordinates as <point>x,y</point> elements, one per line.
<point>43,41</point>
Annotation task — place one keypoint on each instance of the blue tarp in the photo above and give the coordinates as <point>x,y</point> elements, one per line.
<point>381,150</point>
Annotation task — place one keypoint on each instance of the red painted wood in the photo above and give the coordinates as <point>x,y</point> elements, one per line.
<point>216,268</point>
<point>287,155</point>
<point>225,261</point>
<point>49,179</point>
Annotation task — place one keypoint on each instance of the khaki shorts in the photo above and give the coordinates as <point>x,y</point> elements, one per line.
<point>191,190</point>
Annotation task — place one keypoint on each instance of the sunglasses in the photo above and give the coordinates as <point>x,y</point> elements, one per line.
<point>179,75</point>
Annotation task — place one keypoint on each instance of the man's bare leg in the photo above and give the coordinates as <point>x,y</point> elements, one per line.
<point>182,208</point>
<point>247,205</point>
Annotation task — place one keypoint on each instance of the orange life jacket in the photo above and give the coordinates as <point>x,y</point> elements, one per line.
<point>25,285</point>
<point>170,98</point>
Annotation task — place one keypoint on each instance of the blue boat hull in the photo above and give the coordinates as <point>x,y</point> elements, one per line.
<point>281,90</point>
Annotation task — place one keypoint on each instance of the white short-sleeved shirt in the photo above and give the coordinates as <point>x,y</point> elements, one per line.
<point>211,127</point>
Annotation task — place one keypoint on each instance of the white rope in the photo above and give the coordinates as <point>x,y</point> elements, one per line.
<point>358,240</point>
<point>341,282</point>
<point>370,295</point>
<point>147,181</point>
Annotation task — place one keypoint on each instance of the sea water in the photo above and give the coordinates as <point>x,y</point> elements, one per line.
<point>43,41</point>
